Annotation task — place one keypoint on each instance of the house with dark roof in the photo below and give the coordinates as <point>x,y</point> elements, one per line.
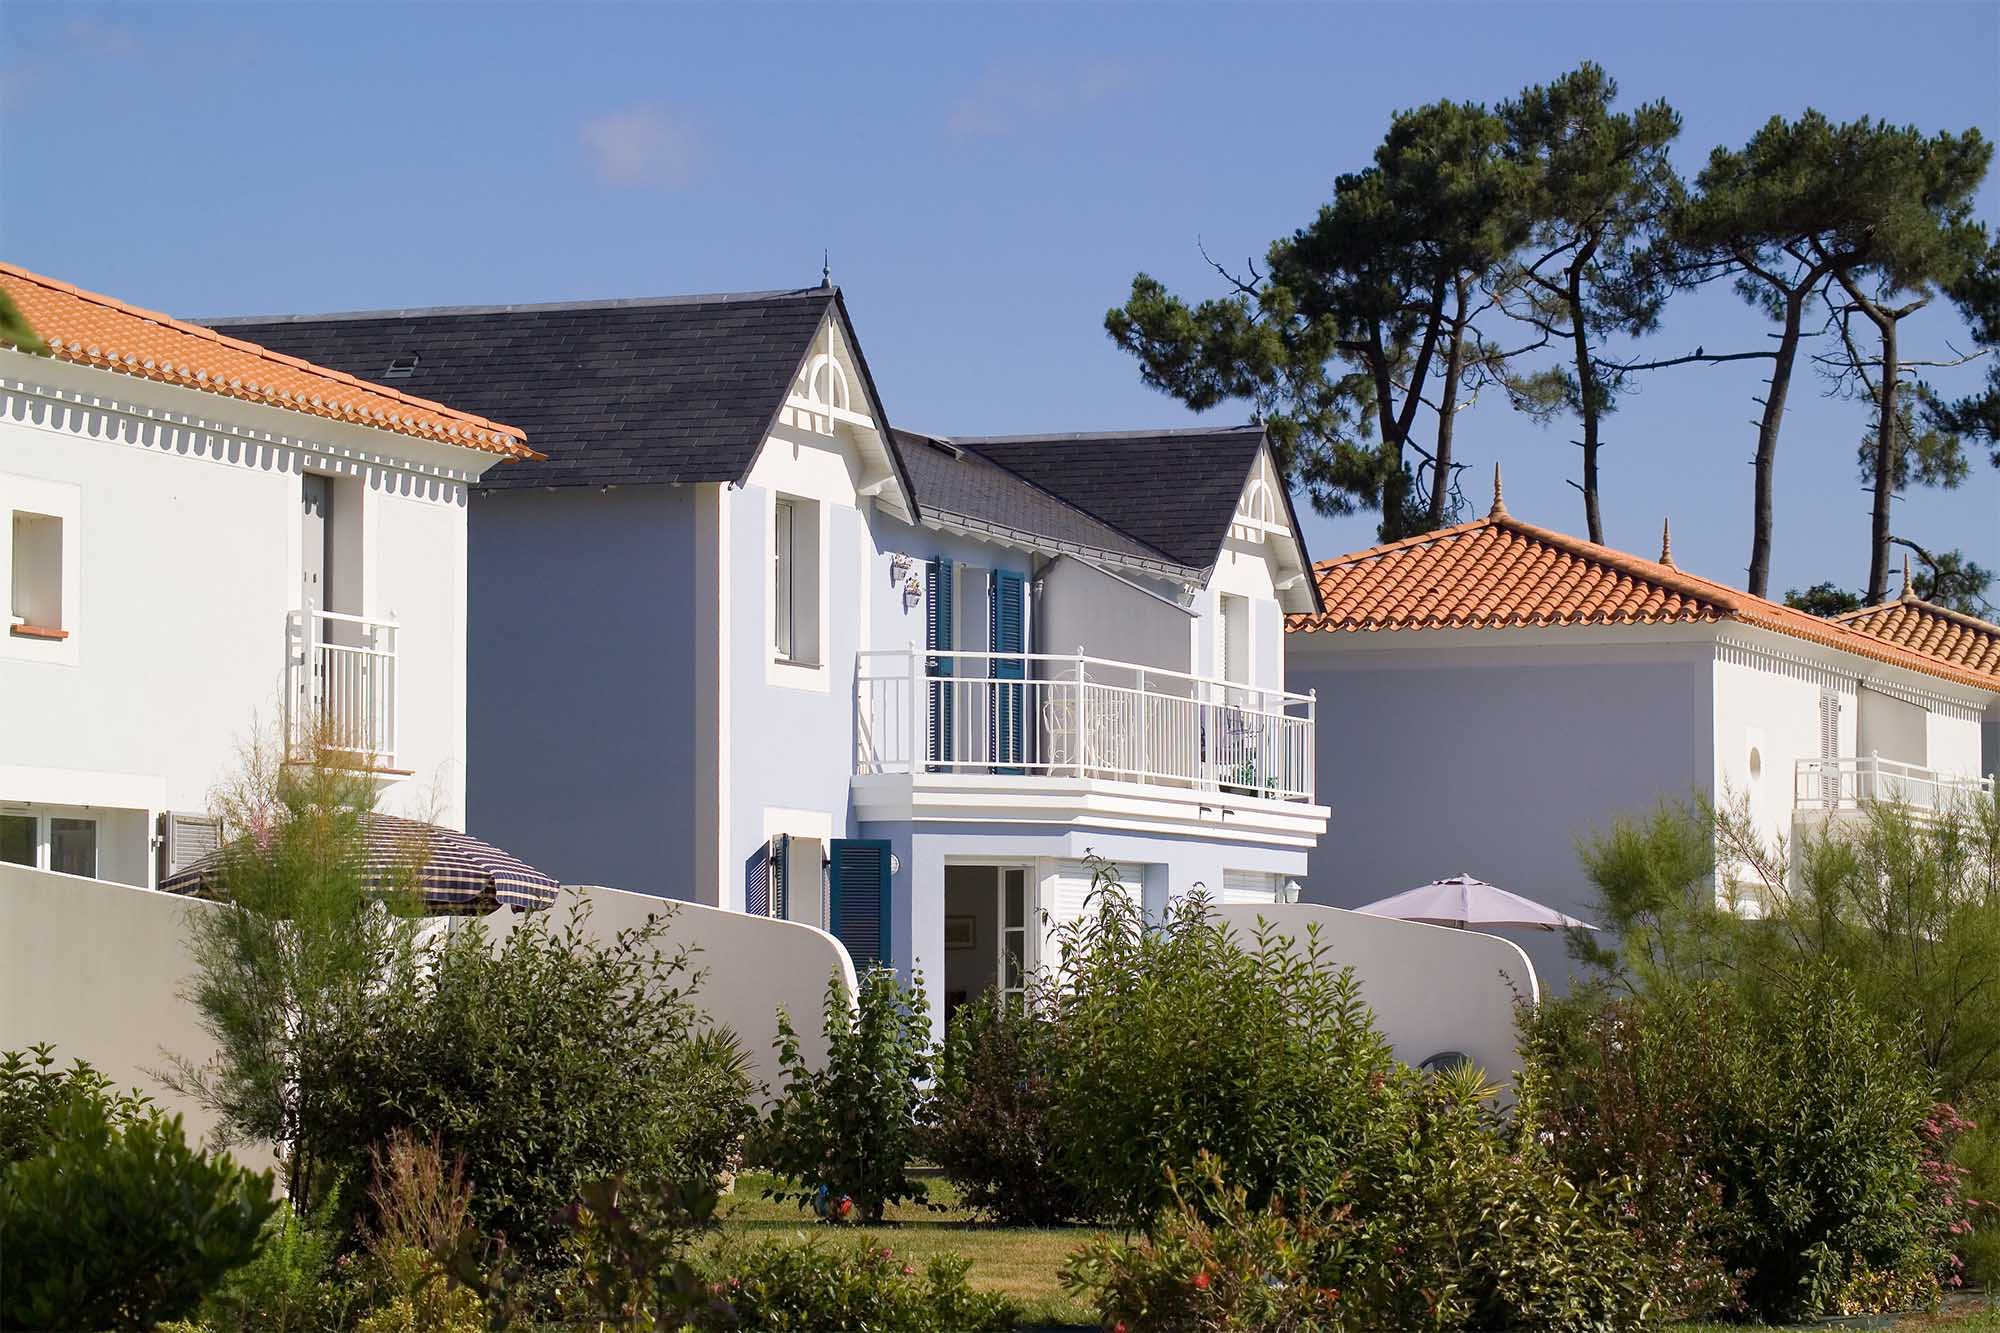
<point>735,638</point>
<point>1515,688</point>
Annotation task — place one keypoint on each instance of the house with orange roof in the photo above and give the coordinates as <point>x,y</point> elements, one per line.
<point>204,539</point>
<point>1490,692</point>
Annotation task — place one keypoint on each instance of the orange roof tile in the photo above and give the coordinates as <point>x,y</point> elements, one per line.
<point>93,330</point>
<point>1933,630</point>
<point>1498,573</point>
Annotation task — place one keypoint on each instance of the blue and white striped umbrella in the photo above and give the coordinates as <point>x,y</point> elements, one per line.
<point>454,871</point>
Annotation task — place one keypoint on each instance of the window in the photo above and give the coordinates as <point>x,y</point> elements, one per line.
<point>73,846</point>
<point>795,619</point>
<point>67,843</point>
<point>38,591</point>
<point>17,839</point>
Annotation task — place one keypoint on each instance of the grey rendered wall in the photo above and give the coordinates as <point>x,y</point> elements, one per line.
<point>1082,605</point>
<point>789,749</point>
<point>1436,765</point>
<point>580,680</point>
<point>1989,746</point>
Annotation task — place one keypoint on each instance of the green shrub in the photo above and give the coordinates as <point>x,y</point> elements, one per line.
<point>298,1283</point>
<point>1804,1119</point>
<point>844,1133</point>
<point>544,1064</point>
<point>987,1120</point>
<point>1178,1039</point>
<point>805,1285</point>
<point>33,1091</point>
<point>121,1225</point>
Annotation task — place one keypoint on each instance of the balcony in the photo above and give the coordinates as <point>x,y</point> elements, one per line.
<point>999,728</point>
<point>1852,783</point>
<point>340,687</point>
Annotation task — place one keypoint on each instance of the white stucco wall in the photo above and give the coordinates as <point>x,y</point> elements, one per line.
<point>185,533</point>
<point>98,969</point>
<point>1433,989</point>
<point>1772,707</point>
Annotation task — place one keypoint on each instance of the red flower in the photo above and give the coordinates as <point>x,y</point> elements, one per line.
<point>1201,1280</point>
<point>844,1209</point>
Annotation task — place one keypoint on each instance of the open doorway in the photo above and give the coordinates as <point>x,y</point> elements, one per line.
<point>985,934</point>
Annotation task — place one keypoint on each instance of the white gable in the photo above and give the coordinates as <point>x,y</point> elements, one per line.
<point>1262,555</point>
<point>828,411</point>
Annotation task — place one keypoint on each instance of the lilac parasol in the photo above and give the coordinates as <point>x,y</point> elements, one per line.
<point>1466,902</point>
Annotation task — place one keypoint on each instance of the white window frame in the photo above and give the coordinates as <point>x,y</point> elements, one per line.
<point>795,602</point>
<point>62,502</point>
<point>784,574</point>
<point>44,836</point>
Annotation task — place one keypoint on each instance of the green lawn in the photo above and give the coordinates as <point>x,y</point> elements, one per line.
<point>1024,1263</point>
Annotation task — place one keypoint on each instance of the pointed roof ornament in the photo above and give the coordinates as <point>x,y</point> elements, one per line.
<point>1499,509</point>
<point>1909,593</point>
<point>1667,543</point>
<point>826,268</point>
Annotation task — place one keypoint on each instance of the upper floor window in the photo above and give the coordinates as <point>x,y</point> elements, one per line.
<point>1232,629</point>
<point>795,609</point>
<point>37,605</point>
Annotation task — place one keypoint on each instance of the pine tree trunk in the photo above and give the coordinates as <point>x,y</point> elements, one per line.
<point>1885,461</point>
<point>1767,437</point>
<point>1587,395</point>
<point>1454,368</point>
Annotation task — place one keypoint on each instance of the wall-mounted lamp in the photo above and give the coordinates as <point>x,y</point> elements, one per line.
<point>1291,891</point>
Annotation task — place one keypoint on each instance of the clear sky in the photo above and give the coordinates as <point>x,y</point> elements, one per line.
<point>987,179</point>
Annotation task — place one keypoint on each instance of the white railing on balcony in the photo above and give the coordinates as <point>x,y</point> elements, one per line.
<point>1848,783</point>
<point>341,684</point>
<point>1078,716</point>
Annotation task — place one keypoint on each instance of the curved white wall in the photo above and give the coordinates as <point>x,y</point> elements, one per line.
<point>1433,989</point>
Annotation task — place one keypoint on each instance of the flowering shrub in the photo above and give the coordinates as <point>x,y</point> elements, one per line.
<point>1782,1154</point>
<point>806,1285</point>
<point>987,1121</point>
<point>1215,1264</point>
<point>844,1132</point>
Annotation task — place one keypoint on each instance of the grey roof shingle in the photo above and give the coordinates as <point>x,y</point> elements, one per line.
<point>1173,490</point>
<point>675,389</point>
<point>958,481</point>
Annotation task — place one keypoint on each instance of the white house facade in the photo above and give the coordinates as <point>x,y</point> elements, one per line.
<point>204,539</point>
<point>1515,689</point>
<point>738,640</point>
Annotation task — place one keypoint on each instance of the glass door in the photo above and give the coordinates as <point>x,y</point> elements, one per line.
<point>1013,915</point>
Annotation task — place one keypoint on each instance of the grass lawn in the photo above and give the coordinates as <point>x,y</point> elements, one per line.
<point>1024,1263</point>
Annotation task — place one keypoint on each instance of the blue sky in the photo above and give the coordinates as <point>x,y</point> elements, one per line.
<point>987,180</point>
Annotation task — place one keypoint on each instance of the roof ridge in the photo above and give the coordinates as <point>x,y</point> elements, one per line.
<point>1056,437</point>
<point>1669,576</point>
<point>529,307</point>
<point>1405,543</point>
<point>1945,612</point>
<point>254,349</point>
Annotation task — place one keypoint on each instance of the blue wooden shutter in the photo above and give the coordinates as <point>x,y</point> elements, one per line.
<point>781,876</point>
<point>1009,603</point>
<point>858,899</point>
<point>937,637</point>
<point>757,882</point>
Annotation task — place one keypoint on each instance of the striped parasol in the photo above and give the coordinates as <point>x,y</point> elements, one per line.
<point>454,871</point>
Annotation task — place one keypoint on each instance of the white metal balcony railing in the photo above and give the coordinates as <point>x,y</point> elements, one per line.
<point>1077,716</point>
<point>340,684</point>
<point>1850,782</point>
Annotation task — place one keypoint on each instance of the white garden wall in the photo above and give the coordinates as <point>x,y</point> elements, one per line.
<point>1433,989</point>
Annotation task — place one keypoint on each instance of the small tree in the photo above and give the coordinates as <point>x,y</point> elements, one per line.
<point>846,1132</point>
<point>302,935</point>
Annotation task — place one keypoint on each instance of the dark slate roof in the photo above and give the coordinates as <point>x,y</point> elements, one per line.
<point>1173,490</point>
<point>956,481</point>
<point>613,392</point>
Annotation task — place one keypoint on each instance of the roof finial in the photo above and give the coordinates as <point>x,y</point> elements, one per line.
<point>1499,509</point>
<point>1908,594</point>
<point>826,268</point>
<point>1667,542</point>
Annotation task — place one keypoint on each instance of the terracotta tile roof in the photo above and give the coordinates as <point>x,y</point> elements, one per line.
<point>93,330</point>
<point>1935,631</point>
<point>1499,573</point>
